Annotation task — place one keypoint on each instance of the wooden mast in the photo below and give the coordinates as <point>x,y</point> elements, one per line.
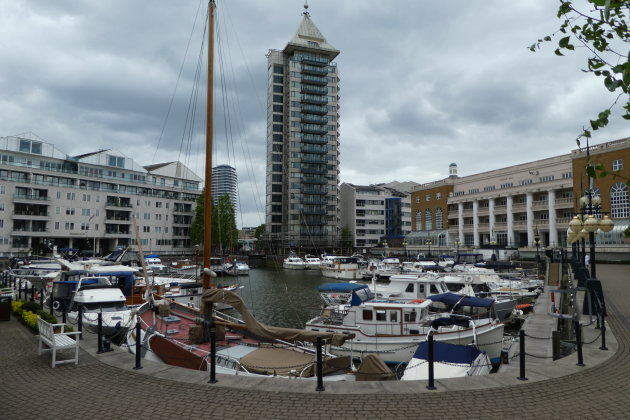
<point>207,217</point>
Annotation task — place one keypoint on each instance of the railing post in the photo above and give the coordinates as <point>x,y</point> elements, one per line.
<point>318,367</point>
<point>138,343</point>
<point>431,384</point>
<point>80,322</point>
<point>578,341</point>
<point>50,305</point>
<point>41,298</point>
<point>32,293</point>
<point>213,352</point>
<point>99,333</point>
<point>521,339</point>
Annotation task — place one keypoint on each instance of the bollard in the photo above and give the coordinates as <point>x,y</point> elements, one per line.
<point>50,305</point>
<point>41,298</point>
<point>64,314</point>
<point>213,352</point>
<point>521,339</point>
<point>99,332</point>
<point>578,342</point>
<point>32,293</point>
<point>80,321</point>
<point>320,379</point>
<point>603,346</point>
<point>138,344</point>
<point>555,344</point>
<point>431,384</point>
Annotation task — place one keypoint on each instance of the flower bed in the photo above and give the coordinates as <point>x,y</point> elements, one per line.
<point>27,312</point>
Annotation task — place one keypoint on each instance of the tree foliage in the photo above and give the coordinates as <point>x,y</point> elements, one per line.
<point>601,28</point>
<point>224,231</point>
<point>259,232</point>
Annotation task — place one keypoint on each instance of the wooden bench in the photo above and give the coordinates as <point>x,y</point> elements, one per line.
<point>57,341</point>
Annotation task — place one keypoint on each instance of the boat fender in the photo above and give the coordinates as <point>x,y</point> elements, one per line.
<point>56,305</point>
<point>417,301</point>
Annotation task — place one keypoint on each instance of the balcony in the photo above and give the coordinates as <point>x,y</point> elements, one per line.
<point>316,61</point>
<point>117,204</point>
<point>314,99</point>
<point>313,200</point>
<point>315,80</point>
<point>321,71</point>
<point>30,197</point>
<point>320,212</point>
<point>314,109</point>
<point>314,139</point>
<point>31,215</point>
<point>311,190</point>
<point>309,148</point>
<point>315,180</point>
<point>317,171</point>
<point>314,119</point>
<point>564,203</point>
<point>313,159</point>
<point>316,90</point>
<point>313,130</point>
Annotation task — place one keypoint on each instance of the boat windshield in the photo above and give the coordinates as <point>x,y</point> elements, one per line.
<point>104,306</point>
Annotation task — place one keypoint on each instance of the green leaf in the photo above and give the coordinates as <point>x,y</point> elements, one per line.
<point>564,42</point>
<point>557,52</point>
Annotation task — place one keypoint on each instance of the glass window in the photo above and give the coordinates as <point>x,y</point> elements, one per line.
<point>428,220</point>
<point>619,200</point>
<point>381,315</point>
<point>617,165</point>
<point>409,288</point>
<point>418,220</point>
<point>439,224</point>
<point>393,316</point>
<point>367,315</point>
<point>25,146</point>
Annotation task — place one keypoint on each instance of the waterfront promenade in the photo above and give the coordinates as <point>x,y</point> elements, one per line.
<point>100,388</point>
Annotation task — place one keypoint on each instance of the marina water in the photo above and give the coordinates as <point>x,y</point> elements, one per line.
<point>278,297</point>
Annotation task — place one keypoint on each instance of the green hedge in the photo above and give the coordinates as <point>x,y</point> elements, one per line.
<point>27,312</point>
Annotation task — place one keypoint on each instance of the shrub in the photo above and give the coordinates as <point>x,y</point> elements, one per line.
<point>16,307</point>
<point>31,306</point>
<point>30,319</point>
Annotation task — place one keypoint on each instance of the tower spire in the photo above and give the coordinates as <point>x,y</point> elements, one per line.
<point>305,13</point>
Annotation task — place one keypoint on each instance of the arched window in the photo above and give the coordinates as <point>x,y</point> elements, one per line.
<point>418,220</point>
<point>439,224</point>
<point>619,201</point>
<point>428,220</point>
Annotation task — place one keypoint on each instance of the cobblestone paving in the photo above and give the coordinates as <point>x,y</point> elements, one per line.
<point>30,389</point>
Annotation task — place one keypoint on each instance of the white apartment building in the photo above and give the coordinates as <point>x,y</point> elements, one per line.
<point>88,201</point>
<point>373,213</point>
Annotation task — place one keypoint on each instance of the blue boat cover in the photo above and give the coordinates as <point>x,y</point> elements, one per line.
<point>449,353</point>
<point>151,256</point>
<point>340,287</point>
<point>452,299</point>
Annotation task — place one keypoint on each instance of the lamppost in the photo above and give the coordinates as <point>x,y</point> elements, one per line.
<point>591,206</point>
<point>196,257</point>
<point>493,244</point>
<point>429,243</point>
<point>537,244</point>
<point>456,247</point>
<point>404,244</point>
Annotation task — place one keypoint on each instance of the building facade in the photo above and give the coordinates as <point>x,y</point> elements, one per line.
<point>88,202</point>
<point>224,181</point>
<point>510,207</point>
<point>303,140</point>
<point>374,213</point>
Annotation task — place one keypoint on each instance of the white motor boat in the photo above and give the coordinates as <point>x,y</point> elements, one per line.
<point>237,268</point>
<point>312,261</point>
<point>449,361</point>
<point>293,262</point>
<point>345,268</point>
<point>393,330</point>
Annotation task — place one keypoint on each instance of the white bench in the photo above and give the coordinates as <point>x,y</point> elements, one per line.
<point>57,341</point>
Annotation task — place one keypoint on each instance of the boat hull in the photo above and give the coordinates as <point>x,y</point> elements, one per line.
<point>397,349</point>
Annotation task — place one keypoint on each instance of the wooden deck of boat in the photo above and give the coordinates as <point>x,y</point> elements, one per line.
<point>107,385</point>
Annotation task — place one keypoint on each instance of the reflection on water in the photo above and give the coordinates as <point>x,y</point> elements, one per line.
<point>282,298</point>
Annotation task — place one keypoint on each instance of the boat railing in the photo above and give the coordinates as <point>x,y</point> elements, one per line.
<point>336,299</point>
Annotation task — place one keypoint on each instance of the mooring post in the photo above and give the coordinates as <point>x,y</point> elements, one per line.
<point>213,352</point>
<point>319,368</point>
<point>603,346</point>
<point>138,344</point>
<point>578,341</point>
<point>431,384</point>
<point>99,332</point>
<point>555,344</point>
<point>51,302</point>
<point>521,340</point>
<point>80,321</point>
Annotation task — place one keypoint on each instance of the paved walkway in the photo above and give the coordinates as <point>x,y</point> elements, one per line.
<point>30,388</point>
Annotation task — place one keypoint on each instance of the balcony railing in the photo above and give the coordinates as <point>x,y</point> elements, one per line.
<point>314,80</point>
<point>314,119</point>
<point>314,109</point>
<point>314,99</point>
<point>33,197</point>
<point>317,90</point>
<point>314,70</point>
<point>314,139</point>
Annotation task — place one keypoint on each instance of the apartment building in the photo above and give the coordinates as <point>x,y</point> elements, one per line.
<point>303,140</point>
<point>374,213</point>
<point>89,201</point>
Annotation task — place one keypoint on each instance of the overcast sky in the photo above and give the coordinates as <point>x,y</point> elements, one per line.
<point>423,83</point>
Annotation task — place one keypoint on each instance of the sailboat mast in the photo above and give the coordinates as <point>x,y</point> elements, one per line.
<point>207,217</point>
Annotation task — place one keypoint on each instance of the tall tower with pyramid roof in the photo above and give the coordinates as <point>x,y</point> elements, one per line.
<point>303,140</point>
